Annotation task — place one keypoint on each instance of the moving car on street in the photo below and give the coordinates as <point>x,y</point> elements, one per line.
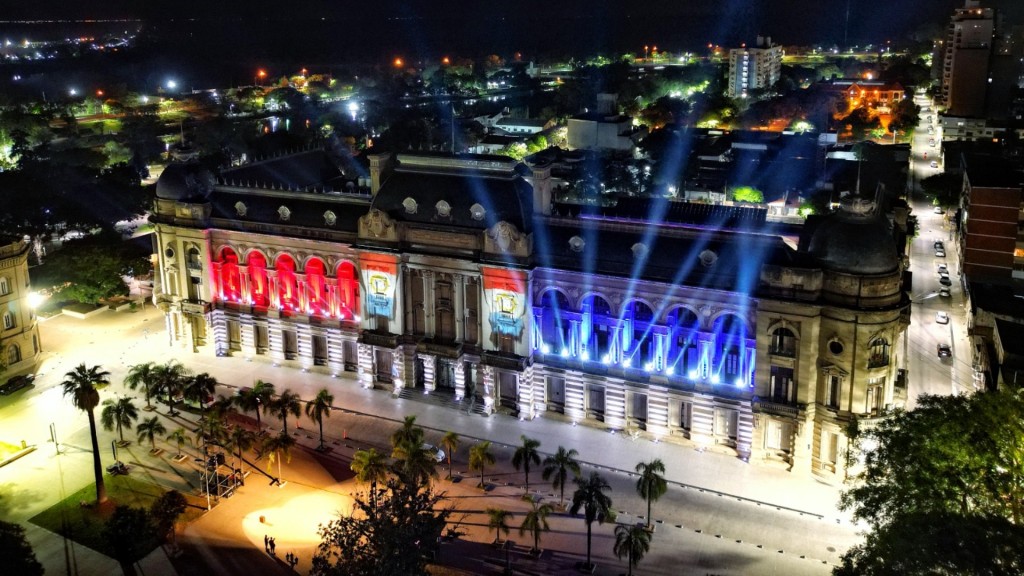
<point>942,317</point>
<point>945,351</point>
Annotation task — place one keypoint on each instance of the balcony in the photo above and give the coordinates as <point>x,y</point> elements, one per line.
<point>785,410</point>
<point>784,351</point>
<point>878,361</point>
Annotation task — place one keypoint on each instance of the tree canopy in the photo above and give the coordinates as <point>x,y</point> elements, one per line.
<point>19,559</point>
<point>946,478</point>
<point>392,535</point>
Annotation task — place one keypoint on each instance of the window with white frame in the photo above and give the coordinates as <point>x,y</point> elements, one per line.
<point>8,320</point>
<point>833,390</point>
<point>5,286</point>
<point>874,396</point>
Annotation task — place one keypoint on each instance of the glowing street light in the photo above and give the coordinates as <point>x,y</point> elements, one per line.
<point>171,84</point>
<point>353,108</point>
<point>260,75</point>
<point>445,61</point>
<point>73,92</point>
<point>398,63</point>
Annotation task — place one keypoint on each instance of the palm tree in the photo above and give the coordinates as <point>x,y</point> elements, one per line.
<point>198,388</point>
<point>142,375</point>
<point>179,437</point>
<point>80,384</point>
<point>632,541</point>
<point>481,456</point>
<point>277,447</point>
<point>255,399</point>
<point>240,439</point>
<point>414,464</point>
<point>497,520</point>
<point>590,496</point>
<point>651,485</point>
<point>285,404</point>
<point>170,380</point>
<point>525,455</point>
<point>557,468</point>
<point>535,522</point>
<point>211,430</point>
<point>222,405</point>
<point>450,443</point>
<point>371,467</point>
<point>149,429</point>
<point>120,413</point>
<point>409,432</point>
<point>318,409</point>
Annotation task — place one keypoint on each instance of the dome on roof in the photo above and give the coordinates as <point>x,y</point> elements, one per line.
<point>855,240</point>
<point>184,182</point>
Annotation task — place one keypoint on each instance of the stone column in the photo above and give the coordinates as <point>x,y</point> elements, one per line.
<point>489,388</point>
<point>429,364</point>
<point>460,380</point>
<point>365,359</point>
<point>398,371</point>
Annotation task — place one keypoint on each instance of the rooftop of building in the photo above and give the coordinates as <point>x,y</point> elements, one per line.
<point>991,171</point>
<point>1001,298</point>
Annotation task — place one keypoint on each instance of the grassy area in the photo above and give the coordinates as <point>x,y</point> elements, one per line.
<point>84,524</point>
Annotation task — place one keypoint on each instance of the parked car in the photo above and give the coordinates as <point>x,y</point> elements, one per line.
<point>938,210</point>
<point>944,292</point>
<point>17,383</point>
<point>942,317</point>
<point>943,269</point>
<point>434,451</point>
<point>940,253</point>
<point>945,281</point>
<point>938,245</point>
<point>945,351</point>
<point>934,164</point>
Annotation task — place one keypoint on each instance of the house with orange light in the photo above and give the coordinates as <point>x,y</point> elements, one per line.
<point>873,93</point>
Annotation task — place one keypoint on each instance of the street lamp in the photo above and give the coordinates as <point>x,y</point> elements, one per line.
<point>353,108</point>
<point>171,84</point>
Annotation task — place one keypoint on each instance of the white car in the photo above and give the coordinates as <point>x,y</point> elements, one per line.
<point>943,269</point>
<point>934,164</point>
<point>434,451</point>
<point>931,142</point>
<point>942,318</point>
<point>944,292</point>
<point>938,210</point>
<point>939,253</point>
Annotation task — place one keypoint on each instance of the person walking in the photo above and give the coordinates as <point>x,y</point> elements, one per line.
<point>266,543</point>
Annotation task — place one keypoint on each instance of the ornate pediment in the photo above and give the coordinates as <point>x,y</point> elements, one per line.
<point>377,225</point>
<point>505,238</point>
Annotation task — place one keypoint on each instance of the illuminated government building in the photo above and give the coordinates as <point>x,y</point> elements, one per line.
<point>453,276</point>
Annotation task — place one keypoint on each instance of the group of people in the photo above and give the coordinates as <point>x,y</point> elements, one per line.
<point>270,545</point>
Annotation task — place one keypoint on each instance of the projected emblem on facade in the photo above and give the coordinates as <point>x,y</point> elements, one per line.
<point>505,291</point>
<point>379,274</point>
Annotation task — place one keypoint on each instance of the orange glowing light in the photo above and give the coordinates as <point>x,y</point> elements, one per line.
<point>398,63</point>
<point>445,61</point>
<point>99,92</point>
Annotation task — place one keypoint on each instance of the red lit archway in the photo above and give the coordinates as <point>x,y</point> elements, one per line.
<point>287,291</point>
<point>259,291</point>
<point>317,302</point>
<point>348,291</point>
<point>230,278</point>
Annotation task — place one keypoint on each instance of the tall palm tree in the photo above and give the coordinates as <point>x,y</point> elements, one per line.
<point>371,467</point>
<point>414,465</point>
<point>632,541</point>
<point>180,438</point>
<point>80,384</point>
<point>278,447</point>
<point>222,405</point>
<point>525,455</point>
<point>590,496</point>
<point>118,413</point>
<point>409,432</point>
<point>285,404</point>
<point>480,456</point>
<point>535,522</point>
<point>149,429</point>
<point>198,388</point>
<point>497,520</point>
<point>450,443</point>
<point>319,408</point>
<point>651,485</point>
<point>141,375</point>
<point>240,439</point>
<point>211,430</point>
<point>255,399</point>
<point>170,380</point>
<point>557,468</point>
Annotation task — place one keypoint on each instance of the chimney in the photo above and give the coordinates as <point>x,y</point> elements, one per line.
<point>760,41</point>
<point>380,167</point>
<point>541,175</point>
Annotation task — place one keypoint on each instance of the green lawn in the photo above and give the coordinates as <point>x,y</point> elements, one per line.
<point>7,450</point>
<point>85,524</point>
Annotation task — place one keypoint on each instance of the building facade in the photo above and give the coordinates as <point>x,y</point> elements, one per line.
<point>450,278</point>
<point>754,68</point>
<point>967,54</point>
<point>19,338</point>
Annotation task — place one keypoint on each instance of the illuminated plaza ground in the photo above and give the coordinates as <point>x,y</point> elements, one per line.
<point>740,530</point>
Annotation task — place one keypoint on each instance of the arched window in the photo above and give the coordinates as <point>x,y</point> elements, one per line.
<point>8,320</point>
<point>287,291</point>
<point>13,354</point>
<point>260,292</point>
<point>317,293</point>
<point>555,328</point>
<point>195,261</point>
<point>730,335</point>
<point>599,324</point>
<point>783,342</point>
<point>878,353</point>
<point>684,356</point>
<point>640,352</point>
<point>348,291</point>
<point>5,286</point>
<point>230,278</point>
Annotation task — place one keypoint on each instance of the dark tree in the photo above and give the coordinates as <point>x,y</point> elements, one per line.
<point>18,557</point>
<point>129,536</point>
<point>396,535</point>
<point>165,511</point>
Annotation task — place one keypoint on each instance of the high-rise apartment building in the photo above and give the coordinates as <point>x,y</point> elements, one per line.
<point>754,68</point>
<point>965,70</point>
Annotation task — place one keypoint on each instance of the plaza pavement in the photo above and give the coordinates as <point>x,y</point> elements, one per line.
<point>721,487</point>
